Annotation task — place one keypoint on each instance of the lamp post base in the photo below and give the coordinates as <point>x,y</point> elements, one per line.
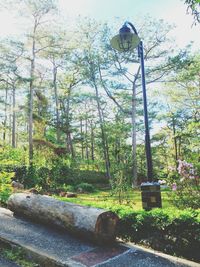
<point>151,195</point>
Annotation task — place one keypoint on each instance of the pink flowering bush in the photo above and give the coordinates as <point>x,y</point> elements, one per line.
<point>185,184</point>
<point>186,170</point>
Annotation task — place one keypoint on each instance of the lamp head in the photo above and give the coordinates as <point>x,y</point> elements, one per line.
<point>126,40</point>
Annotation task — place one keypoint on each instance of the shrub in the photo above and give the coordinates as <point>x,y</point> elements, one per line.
<point>55,177</point>
<point>169,230</point>
<point>5,186</point>
<point>120,186</point>
<point>43,175</point>
<point>69,188</point>
<point>85,187</point>
<point>173,231</point>
<point>185,186</point>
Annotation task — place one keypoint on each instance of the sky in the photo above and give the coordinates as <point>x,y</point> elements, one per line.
<point>172,11</point>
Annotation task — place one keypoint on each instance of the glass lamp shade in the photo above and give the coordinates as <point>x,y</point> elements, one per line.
<point>125,41</point>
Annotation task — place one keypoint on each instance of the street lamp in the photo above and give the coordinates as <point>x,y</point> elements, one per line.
<point>128,40</point>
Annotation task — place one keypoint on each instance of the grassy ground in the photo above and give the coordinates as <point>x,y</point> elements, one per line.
<point>16,255</point>
<point>106,198</point>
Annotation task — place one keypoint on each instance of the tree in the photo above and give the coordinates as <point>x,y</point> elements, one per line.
<point>157,67</point>
<point>194,9</point>
<point>37,10</point>
<point>89,62</point>
<point>59,54</point>
<point>11,56</point>
<point>180,115</point>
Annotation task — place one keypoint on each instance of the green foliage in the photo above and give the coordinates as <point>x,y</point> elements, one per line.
<point>69,188</point>
<point>194,9</point>
<point>5,186</point>
<point>85,187</point>
<point>11,157</point>
<point>172,231</point>
<point>16,255</point>
<point>120,186</point>
<point>56,176</point>
<point>185,184</point>
<point>186,196</point>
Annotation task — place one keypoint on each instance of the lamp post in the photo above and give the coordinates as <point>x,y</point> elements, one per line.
<point>125,41</point>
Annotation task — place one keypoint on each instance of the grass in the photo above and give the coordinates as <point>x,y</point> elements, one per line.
<point>105,199</point>
<point>16,255</point>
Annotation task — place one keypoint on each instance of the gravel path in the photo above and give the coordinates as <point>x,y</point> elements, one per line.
<point>51,246</point>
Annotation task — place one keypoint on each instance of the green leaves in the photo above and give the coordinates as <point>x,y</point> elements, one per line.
<point>5,186</point>
<point>176,231</point>
<point>194,9</point>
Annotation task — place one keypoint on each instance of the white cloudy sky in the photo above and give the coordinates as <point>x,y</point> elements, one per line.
<point>173,11</point>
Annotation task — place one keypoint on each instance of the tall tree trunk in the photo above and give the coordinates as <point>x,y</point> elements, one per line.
<point>179,146</point>
<point>82,146</point>
<point>5,115</point>
<point>31,93</point>
<point>10,121</point>
<point>133,120</point>
<point>103,136</point>
<point>14,118</point>
<point>58,134</point>
<point>31,115</point>
<point>16,138</point>
<point>92,142</point>
<point>117,150</point>
<point>86,140</point>
<point>70,147</point>
<point>106,141</point>
<point>175,141</point>
<point>107,150</point>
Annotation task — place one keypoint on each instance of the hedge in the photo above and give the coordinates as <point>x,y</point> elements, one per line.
<point>176,232</point>
<point>55,176</point>
<point>172,231</point>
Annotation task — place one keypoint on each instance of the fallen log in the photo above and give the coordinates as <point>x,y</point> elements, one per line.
<point>92,223</point>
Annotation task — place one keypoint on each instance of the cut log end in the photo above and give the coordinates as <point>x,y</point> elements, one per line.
<point>106,225</point>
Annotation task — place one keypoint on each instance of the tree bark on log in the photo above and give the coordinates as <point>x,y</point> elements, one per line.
<point>94,224</point>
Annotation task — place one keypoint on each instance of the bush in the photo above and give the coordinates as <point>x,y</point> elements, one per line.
<point>69,188</point>
<point>185,184</point>
<point>120,186</point>
<point>169,230</point>
<point>85,187</point>
<point>172,231</point>
<point>52,178</point>
<point>5,186</point>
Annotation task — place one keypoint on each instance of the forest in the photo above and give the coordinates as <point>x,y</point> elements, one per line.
<point>71,107</point>
<point>72,125</point>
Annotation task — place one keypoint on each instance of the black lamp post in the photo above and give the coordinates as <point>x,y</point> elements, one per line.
<point>128,40</point>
